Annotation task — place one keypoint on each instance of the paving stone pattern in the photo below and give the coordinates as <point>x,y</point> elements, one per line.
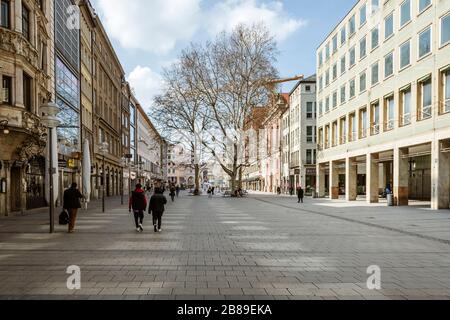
<point>261,247</point>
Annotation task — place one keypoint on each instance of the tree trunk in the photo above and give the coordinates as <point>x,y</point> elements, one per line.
<point>197,177</point>
<point>240,178</point>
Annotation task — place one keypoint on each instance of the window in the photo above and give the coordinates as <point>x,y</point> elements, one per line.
<point>363,123</point>
<point>327,104</point>
<point>5,14</point>
<point>352,26</point>
<point>352,57</point>
<point>405,12</point>
<point>423,4</point>
<point>309,157</point>
<point>425,93</point>
<point>375,37</point>
<point>335,44</point>
<point>343,131</point>
<point>405,96</point>
<point>309,110</point>
<point>6,96</point>
<point>335,99</point>
<point>446,90</point>
<point>375,118</point>
<point>327,52</point>
<point>26,22</point>
<point>343,94</point>
<point>362,15</point>
<point>309,134</point>
<point>445,29</point>
<point>405,54</point>
<point>389,113</point>
<point>343,65</point>
<point>352,88</point>
<point>375,5</point>
<point>375,70</point>
<point>327,77</point>
<point>320,58</point>
<point>389,26</point>
<point>425,42</point>
<point>27,91</point>
<point>343,35</point>
<point>308,88</point>
<point>362,82</point>
<point>320,83</point>
<point>389,65</point>
<point>335,71</point>
<point>351,127</point>
<point>320,108</point>
<point>335,134</point>
<point>362,48</point>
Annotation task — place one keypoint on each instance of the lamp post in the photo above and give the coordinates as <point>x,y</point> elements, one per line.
<point>123,164</point>
<point>50,120</point>
<point>104,148</point>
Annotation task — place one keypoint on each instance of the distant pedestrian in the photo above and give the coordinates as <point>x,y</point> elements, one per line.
<point>156,208</point>
<point>300,194</point>
<point>172,193</point>
<point>72,203</point>
<point>138,203</point>
<point>178,190</point>
<point>291,191</point>
<point>210,194</point>
<point>279,191</point>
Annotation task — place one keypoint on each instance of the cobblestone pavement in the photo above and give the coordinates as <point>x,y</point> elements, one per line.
<point>260,247</point>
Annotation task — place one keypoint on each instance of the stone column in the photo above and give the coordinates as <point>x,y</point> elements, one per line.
<point>351,174</point>
<point>7,165</point>
<point>17,11</point>
<point>401,177</point>
<point>320,181</point>
<point>440,176</point>
<point>372,178</point>
<point>334,180</point>
<point>18,92</point>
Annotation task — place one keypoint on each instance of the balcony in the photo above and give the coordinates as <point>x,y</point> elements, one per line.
<point>406,119</point>
<point>426,113</point>
<point>389,125</point>
<point>375,129</point>
<point>16,44</point>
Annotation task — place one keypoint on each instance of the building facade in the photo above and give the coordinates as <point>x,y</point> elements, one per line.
<point>26,73</point>
<point>302,135</point>
<point>383,96</point>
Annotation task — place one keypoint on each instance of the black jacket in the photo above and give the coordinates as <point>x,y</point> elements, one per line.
<point>72,198</point>
<point>300,193</point>
<point>157,202</point>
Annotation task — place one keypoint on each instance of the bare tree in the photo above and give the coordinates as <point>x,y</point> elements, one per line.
<point>230,76</point>
<point>181,118</point>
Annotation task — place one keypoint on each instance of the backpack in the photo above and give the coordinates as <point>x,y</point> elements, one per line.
<point>64,218</point>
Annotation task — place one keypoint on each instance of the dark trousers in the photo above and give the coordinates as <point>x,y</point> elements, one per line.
<point>173,197</point>
<point>157,217</point>
<point>300,200</point>
<point>72,218</point>
<point>138,217</point>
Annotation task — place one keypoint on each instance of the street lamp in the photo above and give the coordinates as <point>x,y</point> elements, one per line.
<point>50,120</point>
<point>104,148</point>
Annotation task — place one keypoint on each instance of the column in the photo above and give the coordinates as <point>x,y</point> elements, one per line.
<point>401,177</point>
<point>351,175</point>
<point>18,92</point>
<point>334,180</point>
<point>372,178</point>
<point>320,181</point>
<point>440,176</point>
<point>17,10</point>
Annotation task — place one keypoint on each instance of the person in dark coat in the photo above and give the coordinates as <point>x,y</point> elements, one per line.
<point>156,208</point>
<point>138,203</point>
<point>72,203</point>
<point>178,190</point>
<point>300,194</point>
<point>172,193</point>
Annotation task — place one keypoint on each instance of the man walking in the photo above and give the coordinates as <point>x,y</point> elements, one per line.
<point>300,194</point>
<point>138,203</point>
<point>178,190</point>
<point>172,193</point>
<point>156,208</point>
<point>72,203</point>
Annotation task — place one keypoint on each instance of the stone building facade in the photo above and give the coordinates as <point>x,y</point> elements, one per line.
<point>26,83</point>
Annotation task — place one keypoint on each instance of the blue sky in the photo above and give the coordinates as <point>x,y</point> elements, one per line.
<point>149,35</point>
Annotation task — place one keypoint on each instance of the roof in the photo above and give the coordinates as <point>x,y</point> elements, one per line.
<point>310,79</point>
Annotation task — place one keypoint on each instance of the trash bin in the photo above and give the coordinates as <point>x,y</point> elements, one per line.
<point>390,200</point>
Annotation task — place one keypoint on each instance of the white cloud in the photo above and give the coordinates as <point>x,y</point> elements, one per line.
<point>225,15</point>
<point>154,26</point>
<point>146,84</point>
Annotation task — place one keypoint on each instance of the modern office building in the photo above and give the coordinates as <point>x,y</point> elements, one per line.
<point>384,103</point>
<point>302,135</point>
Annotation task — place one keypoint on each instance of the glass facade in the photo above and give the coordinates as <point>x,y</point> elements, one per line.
<point>66,84</point>
<point>66,40</point>
<point>5,14</point>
